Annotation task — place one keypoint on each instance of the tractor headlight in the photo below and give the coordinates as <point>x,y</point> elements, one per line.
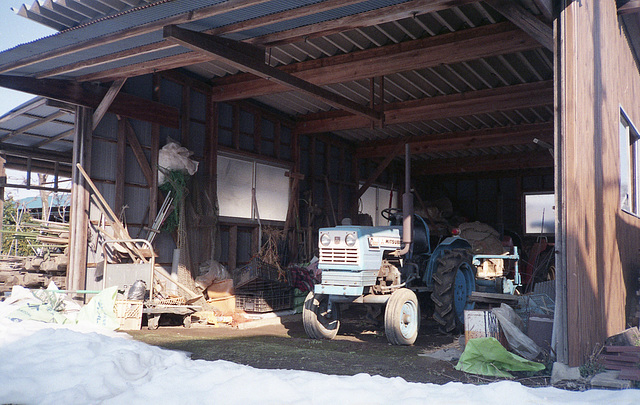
<point>350,239</point>
<point>325,240</point>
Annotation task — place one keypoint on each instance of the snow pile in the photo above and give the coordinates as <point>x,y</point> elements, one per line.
<point>54,364</point>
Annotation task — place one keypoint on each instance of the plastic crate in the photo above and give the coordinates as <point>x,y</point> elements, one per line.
<point>264,301</point>
<point>258,275</point>
<point>129,314</point>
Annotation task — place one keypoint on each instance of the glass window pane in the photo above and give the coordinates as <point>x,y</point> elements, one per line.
<point>272,192</point>
<point>235,181</point>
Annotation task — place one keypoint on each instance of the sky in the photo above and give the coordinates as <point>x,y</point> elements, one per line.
<point>16,30</point>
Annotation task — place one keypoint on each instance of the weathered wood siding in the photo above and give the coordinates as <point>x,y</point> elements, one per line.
<point>598,76</point>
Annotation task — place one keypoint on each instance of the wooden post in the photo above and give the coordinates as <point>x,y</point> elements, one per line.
<point>211,164</point>
<point>155,148</point>
<point>121,163</point>
<point>77,269</point>
<point>3,181</point>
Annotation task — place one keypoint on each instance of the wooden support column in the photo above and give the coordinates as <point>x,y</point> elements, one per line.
<point>3,181</point>
<point>211,165</point>
<point>77,269</point>
<point>121,165</point>
<point>355,170</point>
<point>233,248</point>
<point>155,148</point>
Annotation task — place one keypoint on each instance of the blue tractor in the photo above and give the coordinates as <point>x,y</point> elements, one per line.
<point>388,268</point>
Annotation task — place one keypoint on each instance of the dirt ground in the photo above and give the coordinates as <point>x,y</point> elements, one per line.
<point>358,348</point>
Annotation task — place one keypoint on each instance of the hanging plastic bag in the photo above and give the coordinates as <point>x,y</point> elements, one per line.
<point>172,156</point>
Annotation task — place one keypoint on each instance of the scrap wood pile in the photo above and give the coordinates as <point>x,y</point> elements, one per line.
<point>622,353</point>
<point>48,261</point>
<point>127,250</point>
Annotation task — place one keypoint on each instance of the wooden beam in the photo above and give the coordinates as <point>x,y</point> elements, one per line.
<point>193,15</point>
<point>32,125</point>
<point>121,163</point>
<point>22,151</point>
<point>21,110</point>
<point>455,105</point>
<point>151,66</point>
<point>455,47</point>
<point>217,47</point>
<point>546,8</point>
<point>451,141</point>
<point>191,58</point>
<point>90,95</point>
<point>488,163</point>
<point>139,153</point>
<point>56,138</point>
<point>396,151</point>
<point>521,17</point>
<point>409,9</point>
<point>628,6</point>
<point>106,101</point>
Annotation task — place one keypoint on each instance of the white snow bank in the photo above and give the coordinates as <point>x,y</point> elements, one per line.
<point>53,364</point>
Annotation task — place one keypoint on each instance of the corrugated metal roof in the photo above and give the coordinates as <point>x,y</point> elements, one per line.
<point>111,43</point>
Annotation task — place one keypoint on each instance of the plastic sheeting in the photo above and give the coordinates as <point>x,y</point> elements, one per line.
<point>486,356</point>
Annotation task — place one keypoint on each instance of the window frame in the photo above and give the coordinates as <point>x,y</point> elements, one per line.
<point>629,139</point>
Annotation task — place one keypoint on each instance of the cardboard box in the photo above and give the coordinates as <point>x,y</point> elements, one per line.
<point>482,323</point>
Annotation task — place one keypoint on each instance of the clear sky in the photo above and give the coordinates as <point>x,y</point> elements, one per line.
<point>16,30</point>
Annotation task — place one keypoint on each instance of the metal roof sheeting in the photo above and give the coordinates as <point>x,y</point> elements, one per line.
<point>78,54</point>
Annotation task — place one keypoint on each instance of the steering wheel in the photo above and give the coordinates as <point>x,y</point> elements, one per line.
<point>390,214</point>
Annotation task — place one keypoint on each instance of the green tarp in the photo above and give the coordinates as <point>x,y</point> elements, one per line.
<point>486,356</point>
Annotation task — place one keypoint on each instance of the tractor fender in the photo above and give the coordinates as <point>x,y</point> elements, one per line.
<point>452,242</point>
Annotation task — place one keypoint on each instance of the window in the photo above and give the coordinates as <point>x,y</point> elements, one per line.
<point>237,178</point>
<point>375,199</point>
<point>629,169</point>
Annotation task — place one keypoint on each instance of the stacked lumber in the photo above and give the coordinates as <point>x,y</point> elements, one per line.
<point>625,359</point>
<point>53,235</point>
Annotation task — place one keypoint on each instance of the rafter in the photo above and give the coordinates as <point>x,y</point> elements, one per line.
<point>90,95</point>
<point>628,6</point>
<point>194,58</point>
<point>236,54</point>
<point>521,17</point>
<point>32,125</point>
<point>409,9</point>
<point>465,45</point>
<point>216,9</point>
<point>488,163</point>
<point>451,141</point>
<point>449,106</point>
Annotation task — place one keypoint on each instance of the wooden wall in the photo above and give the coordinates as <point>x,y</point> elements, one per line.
<point>599,247</point>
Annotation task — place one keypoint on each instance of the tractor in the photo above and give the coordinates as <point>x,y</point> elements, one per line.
<point>388,268</point>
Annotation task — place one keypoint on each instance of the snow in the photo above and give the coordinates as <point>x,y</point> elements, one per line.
<point>43,363</point>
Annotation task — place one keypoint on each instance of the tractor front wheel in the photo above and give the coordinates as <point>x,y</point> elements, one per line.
<point>453,283</point>
<point>402,317</point>
<point>318,321</point>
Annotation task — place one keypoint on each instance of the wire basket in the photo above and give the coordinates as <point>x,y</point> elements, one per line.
<point>265,300</point>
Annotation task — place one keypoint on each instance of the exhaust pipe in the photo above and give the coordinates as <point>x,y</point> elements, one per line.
<point>407,206</point>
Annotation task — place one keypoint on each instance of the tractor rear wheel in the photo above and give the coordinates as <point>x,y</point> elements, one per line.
<point>453,283</point>
<point>402,317</point>
<point>318,322</point>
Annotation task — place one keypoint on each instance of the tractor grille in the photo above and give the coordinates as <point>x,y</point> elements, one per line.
<point>339,255</point>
